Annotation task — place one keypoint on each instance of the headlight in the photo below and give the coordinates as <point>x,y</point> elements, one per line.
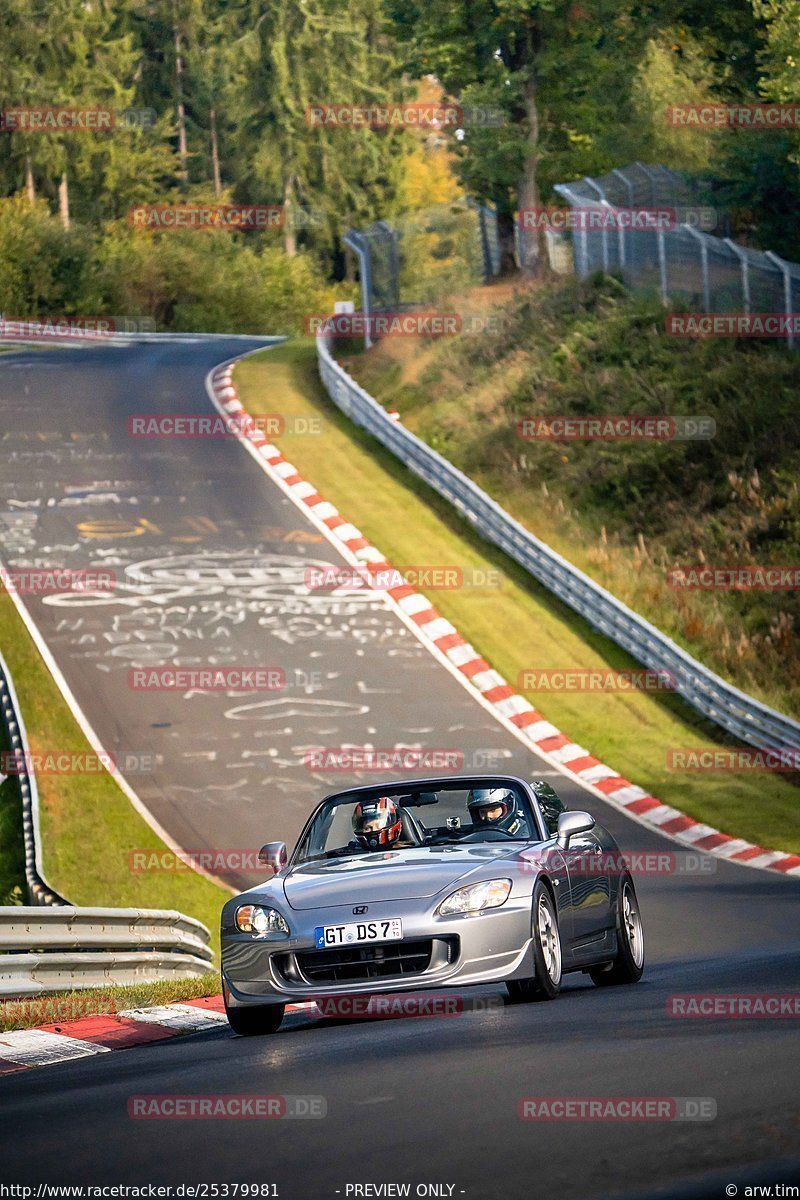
<point>490,894</point>
<point>263,922</point>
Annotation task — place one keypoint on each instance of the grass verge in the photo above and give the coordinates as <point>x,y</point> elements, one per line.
<point>88,824</point>
<point>518,625</point>
<point>58,1007</point>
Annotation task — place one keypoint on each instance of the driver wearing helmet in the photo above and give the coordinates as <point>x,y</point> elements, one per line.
<point>378,824</point>
<point>494,808</point>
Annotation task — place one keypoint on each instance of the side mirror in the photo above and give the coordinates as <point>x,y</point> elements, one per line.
<point>273,856</point>
<point>572,823</point>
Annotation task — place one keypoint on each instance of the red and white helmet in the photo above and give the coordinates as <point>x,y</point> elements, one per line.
<point>377,822</point>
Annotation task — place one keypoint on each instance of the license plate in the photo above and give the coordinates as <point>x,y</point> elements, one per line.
<point>328,936</point>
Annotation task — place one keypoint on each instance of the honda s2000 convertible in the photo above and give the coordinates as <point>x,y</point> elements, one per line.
<point>435,883</point>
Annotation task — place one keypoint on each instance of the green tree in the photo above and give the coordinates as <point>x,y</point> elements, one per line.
<point>290,57</point>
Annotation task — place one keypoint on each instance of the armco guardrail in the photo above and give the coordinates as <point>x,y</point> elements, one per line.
<point>59,948</point>
<point>733,710</point>
<point>51,945</point>
<point>39,889</point>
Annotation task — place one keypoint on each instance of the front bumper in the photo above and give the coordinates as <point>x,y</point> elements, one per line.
<point>466,950</point>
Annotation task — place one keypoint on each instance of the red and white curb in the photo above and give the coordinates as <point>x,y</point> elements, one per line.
<point>68,1040</point>
<point>515,712</point>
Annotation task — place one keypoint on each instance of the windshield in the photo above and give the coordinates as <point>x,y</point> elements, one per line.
<point>402,820</point>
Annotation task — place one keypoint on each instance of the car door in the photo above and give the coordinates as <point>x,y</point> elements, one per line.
<point>591,889</point>
<point>588,868</point>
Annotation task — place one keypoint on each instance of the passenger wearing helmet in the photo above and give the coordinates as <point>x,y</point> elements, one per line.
<point>379,823</point>
<point>494,808</point>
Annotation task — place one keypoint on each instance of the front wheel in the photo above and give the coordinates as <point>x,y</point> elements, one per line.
<point>255,1020</point>
<point>546,982</point>
<point>628,966</point>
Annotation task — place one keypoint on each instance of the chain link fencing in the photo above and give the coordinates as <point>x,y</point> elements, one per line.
<point>679,256</point>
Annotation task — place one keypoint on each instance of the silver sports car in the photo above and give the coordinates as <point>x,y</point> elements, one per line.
<point>435,883</point>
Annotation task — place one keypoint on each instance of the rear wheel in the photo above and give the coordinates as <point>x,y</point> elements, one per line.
<point>628,965</point>
<point>546,982</point>
<point>255,1020</point>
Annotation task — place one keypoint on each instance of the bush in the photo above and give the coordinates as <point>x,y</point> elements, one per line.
<point>44,271</point>
<point>210,280</point>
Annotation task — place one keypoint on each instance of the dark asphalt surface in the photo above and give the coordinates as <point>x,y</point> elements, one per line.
<point>414,1100</point>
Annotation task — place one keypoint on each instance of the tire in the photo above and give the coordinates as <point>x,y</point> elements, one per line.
<point>256,1020</point>
<point>628,966</point>
<point>547,952</point>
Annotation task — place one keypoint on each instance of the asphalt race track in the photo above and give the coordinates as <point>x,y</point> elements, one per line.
<point>202,542</point>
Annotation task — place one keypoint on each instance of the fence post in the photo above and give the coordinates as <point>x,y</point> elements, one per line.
<point>628,185</point>
<point>485,214</point>
<point>579,236</point>
<point>701,238</point>
<point>783,267</point>
<point>623,260</point>
<point>390,233</point>
<point>741,254</point>
<point>487,261</point>
<point>662,265</point>
<point>593,184</point>
<point>361,249</point>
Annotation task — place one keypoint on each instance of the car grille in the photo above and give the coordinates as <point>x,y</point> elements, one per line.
<point>359,964</point>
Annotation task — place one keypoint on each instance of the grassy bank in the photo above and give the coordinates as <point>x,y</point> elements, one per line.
<point>88,825</point>
<point>517,625</point>
<point>627,513</point>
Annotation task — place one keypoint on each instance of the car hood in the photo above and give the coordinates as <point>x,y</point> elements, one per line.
<point>386,875</point>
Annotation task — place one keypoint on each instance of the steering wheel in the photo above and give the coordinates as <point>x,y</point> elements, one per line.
<point>488,835</point>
